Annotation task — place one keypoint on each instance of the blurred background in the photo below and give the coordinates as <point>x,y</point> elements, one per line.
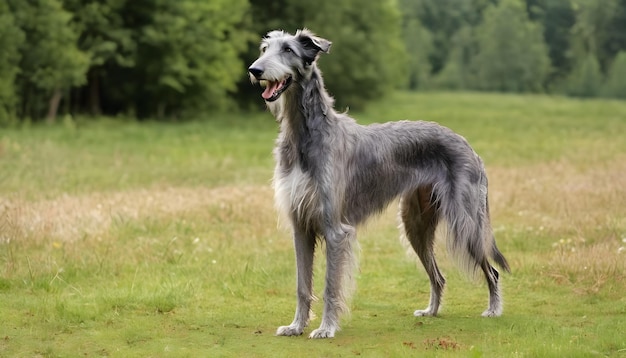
<point>176,59</point>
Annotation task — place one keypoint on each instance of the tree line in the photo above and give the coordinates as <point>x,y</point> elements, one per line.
<point>177,58</point>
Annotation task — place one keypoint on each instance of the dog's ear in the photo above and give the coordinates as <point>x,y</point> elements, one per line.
<point>309,39</point>
<point>312,44</point>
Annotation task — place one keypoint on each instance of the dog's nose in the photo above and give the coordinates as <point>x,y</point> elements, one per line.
<point>256,72</point>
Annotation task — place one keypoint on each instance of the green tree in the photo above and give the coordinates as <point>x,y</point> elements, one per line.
<point>443,19</point>
<point>615,85</point>
<point>457,73</point>
<point>160,57</point>
<point>418,43</point>
<point>512,55</point>
<point>586,78</point>
<point>104,37</point>
<point>557,18</point>
<point>591,33</point>
<point>11,39</point>
<point>368,57</point>
<point>188,55</point>
<point>51,62</point>
<point>616,28</point>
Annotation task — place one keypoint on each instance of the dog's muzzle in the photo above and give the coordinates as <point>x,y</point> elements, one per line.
<point>273,89</point>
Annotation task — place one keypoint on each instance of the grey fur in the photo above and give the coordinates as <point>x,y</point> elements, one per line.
<point>332,174</point>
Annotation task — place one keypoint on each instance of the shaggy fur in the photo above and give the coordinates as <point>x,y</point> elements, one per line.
<point>332,174</point>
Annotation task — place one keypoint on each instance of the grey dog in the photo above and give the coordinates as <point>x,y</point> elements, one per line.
<point>332,174</point>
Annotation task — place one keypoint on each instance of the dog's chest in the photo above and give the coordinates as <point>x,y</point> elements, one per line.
<point>295,194</point>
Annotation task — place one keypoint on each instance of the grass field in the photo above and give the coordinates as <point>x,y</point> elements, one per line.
<point>157,239</point>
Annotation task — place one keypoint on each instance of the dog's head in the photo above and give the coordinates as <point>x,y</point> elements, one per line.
<point>284,59</point>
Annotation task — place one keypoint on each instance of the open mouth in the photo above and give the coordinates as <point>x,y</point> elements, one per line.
<point>273,89</point>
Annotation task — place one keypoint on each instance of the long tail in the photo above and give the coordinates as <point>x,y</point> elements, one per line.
<point>497,256</point>
<point>470,239</point>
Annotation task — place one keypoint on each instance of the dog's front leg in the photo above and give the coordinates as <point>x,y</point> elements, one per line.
<point>340,262</point>
<point>304,243</point>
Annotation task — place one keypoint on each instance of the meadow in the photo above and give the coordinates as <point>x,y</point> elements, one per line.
<point>153,239</point>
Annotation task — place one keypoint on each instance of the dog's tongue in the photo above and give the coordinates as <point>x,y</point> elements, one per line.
<point>270,89</point>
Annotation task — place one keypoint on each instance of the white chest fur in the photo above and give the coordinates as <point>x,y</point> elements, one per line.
<point>295,195</point>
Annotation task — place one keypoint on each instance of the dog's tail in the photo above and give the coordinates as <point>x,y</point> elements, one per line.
<point>497,256</point>
<point>470,239</point>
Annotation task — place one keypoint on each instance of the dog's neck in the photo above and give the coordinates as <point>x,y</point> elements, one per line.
<point>305,114</point>
<point>306,102</point>
<point>315,100</point>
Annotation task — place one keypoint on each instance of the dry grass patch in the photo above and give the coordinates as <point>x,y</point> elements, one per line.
<point>579,213</point>
<point>561,196</point>
<point>589,268</point>
<point>69,218</point>
<point>108,231</point>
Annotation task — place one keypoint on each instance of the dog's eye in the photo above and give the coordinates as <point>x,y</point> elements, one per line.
<point>288,49</point>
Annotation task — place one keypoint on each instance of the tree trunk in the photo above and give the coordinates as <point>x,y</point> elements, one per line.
<point>160,110</point>
<point>53,105</point>
<point>94,93</point>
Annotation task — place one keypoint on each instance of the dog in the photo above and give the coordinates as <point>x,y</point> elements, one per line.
<point>332,174</point>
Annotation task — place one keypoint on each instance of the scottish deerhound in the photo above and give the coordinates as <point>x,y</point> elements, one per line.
<point>332,173</point>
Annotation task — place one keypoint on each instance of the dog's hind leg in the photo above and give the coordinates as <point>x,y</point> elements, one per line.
<point>419,217</point>
<point>304,243</point>
<point>491,274</point>
<point>479,258</point>
<point>340,263</point>
<point>495,300</point>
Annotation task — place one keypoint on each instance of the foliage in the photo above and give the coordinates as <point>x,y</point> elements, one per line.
<point>188,55</point>
<point>557,18</point>
<point>11,39</point>
<point>178,58</point>
<point>616,29</point>
<point>512,56</point>
<point>367,58</point>
<point>418,43</point>
<point>615,85</point>
<point>104,36</point>
<point>444,18</point>
<point>50,59</point>
<point>183,55</point>
<point>592,32</point>
<point>586,79</point>
<point>457,72</point>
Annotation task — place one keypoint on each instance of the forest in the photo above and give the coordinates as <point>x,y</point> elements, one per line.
<point>171,59</point>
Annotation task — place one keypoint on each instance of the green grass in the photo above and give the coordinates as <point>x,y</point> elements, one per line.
<point>113,155</point>
<point>160,239</point>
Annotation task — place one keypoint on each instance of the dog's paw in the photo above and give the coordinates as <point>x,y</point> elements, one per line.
<point>291,330</point>
<point>322,333</point>
<point>424,313</point>
<point>492,313</point>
